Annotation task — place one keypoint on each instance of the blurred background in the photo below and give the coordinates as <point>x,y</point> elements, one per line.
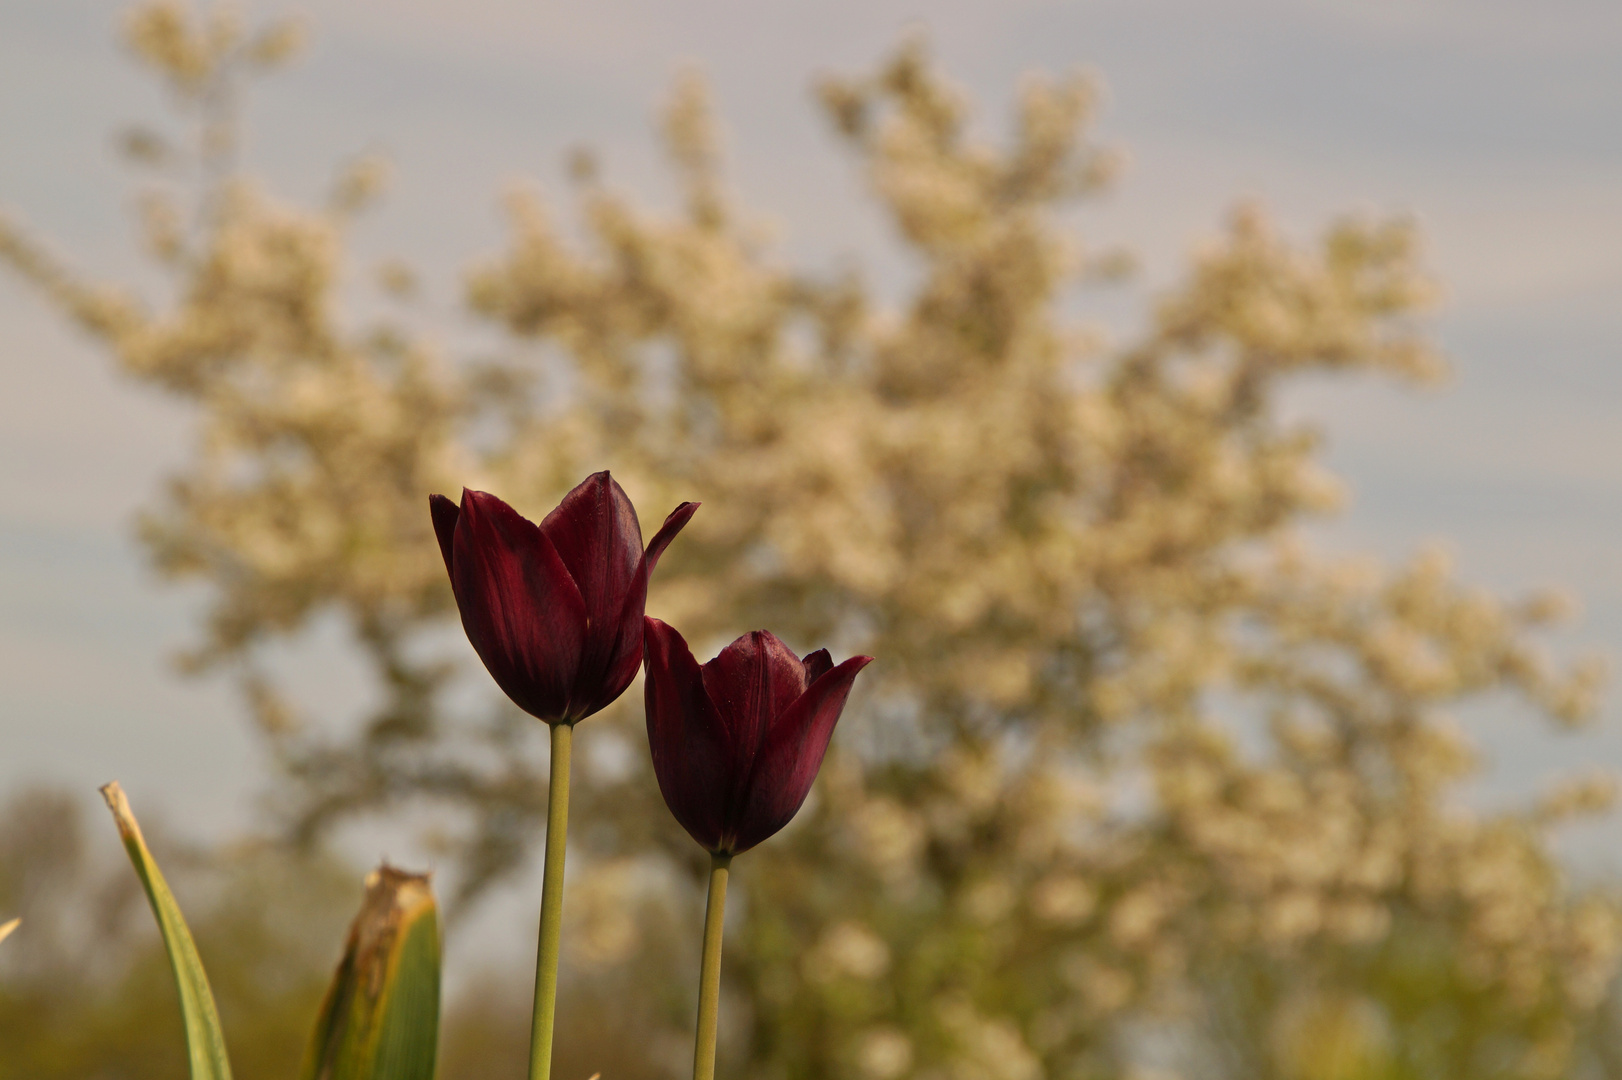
<point>1188,404</point>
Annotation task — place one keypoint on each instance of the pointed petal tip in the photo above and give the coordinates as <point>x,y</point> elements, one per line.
<point>678,518</point>
<point>486,507</point>
<point>765,639</point>
<point>848,669</point>
<point>445,515</point>
<point>839,679</point>
<point>662,630</point>
<point>600,479</point>
<point>674,523</point>
<point>662,643</point>
<point>817,664</point>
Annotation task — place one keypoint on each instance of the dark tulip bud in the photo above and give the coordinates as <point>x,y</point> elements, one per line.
<point>737,742</point>
<point>554,610</point>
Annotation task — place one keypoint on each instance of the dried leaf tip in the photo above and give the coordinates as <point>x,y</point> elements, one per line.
<point>394,898</point>
<point>382,1008</point>
<point>119,804</point>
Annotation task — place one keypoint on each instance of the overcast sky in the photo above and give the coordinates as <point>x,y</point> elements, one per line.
<point>1497,124</point>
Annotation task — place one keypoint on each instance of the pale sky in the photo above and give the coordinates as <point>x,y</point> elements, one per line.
<point>1497,124</point>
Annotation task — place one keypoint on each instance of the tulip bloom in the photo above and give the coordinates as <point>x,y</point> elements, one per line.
<point>736,744</point>
<point>554,610</point>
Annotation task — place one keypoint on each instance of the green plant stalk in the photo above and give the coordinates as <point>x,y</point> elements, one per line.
<point>546,961</point>
<point>709,973</point>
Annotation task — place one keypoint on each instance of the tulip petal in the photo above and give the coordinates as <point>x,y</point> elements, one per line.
<point>817,665</point>
<point>792,754</point>
<point>520,606</point>
<point>752,680</point>
<point>627,651</point>
<point>597,536</point>
<point>687,737</point>
<point>667,532</point>
<point>596,688</point>
<point>444,513</point>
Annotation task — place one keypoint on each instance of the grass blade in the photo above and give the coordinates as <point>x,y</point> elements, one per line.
<point>205,1042</point>
<point>380,1020</point>
<point>7,928</point>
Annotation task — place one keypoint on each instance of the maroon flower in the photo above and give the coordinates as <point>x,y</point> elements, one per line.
<point>555,610</point>
<point>737,742</point>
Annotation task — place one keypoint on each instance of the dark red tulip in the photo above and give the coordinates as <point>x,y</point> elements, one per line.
<point>737,742</point>
<point>554,610</point>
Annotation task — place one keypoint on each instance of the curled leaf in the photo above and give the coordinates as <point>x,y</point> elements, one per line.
<point>380,1019</point>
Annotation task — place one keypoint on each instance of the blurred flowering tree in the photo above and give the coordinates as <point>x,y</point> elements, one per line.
<point>1139,782</point>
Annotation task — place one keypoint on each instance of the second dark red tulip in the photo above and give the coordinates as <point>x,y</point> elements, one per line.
<point>738,741</point>
<point>554,610</point>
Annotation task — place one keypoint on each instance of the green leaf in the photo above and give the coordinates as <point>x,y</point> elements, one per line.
<point>380,1020</point>
<point>7,928</point>
<point>205,1042</point>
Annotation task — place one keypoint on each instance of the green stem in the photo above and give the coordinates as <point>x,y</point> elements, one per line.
<point>546,962</point>
<point>709,976</point>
